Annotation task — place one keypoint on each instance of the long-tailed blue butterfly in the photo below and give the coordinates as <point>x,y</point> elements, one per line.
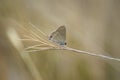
<point>59,36</point>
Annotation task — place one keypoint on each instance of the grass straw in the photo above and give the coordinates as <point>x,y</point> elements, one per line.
<point>54,46</point>
<point>13,37</point>
<point>92,54</point>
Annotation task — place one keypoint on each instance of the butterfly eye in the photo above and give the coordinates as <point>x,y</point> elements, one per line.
<point>50,37</point>
<point>65,43</point>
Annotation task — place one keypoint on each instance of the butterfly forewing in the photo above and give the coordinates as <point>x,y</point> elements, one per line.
<point>59,36</point>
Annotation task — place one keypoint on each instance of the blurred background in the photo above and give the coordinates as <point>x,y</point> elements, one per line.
<point>92,25</point>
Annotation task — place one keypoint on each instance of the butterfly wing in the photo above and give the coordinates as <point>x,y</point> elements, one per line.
<point>59,36</point>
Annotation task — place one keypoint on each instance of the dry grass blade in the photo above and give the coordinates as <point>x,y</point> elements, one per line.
<point>34,36</point>
<point>43,44</point>
<point>92,54</point>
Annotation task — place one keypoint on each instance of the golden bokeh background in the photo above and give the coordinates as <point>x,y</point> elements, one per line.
<point>92,25</point>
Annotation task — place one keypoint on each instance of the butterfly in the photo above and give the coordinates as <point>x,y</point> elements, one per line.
<point>59,36</point>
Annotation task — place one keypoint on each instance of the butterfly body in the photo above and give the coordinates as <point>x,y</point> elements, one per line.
<point>59,36</point>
